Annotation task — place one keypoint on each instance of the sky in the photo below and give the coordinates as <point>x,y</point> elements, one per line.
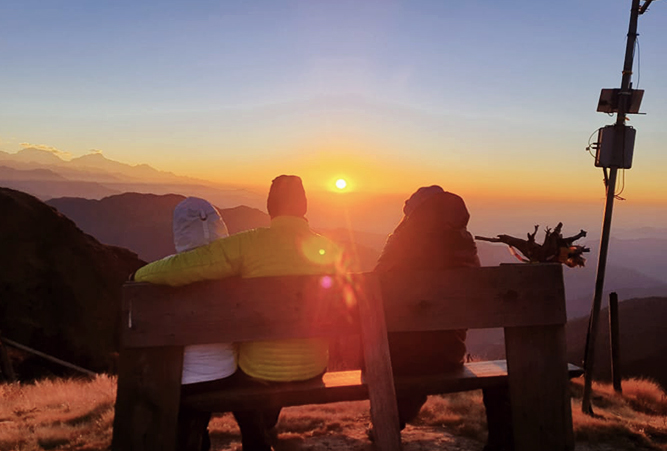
<point>492,100</point>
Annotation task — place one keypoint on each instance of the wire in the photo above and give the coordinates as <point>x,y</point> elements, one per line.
<point>618,195</point>
<point>588,148</point>
<point>639,66</point>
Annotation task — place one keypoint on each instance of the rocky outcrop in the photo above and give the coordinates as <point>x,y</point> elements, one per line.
<point>59,287</point>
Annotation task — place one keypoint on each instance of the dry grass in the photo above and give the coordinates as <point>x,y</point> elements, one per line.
<point>57,414</point>
<point>636,419</point>
<point>77,415</point>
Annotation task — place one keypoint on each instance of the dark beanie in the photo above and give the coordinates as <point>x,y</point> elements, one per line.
<point>287,197</point>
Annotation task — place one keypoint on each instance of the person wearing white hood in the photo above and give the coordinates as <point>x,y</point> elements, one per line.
<point>197,223</point>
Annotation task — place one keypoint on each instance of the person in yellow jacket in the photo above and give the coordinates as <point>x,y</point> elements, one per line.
<point>287,247</point>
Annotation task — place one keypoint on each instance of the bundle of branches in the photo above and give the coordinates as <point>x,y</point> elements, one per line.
<point>555,248</point>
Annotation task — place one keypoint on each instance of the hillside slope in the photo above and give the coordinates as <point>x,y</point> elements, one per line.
<point>60,287</point>
<point>643,340</point>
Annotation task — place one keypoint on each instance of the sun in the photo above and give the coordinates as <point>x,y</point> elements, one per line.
<point>341,184</point>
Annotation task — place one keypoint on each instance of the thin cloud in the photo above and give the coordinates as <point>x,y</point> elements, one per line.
<point>51,149</point>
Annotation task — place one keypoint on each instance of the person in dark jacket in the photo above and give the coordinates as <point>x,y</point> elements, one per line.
<point>433,235</point>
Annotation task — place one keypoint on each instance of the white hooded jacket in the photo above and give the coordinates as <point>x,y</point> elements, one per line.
<point>196,223</point>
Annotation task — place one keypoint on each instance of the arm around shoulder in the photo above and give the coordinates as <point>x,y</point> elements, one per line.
<point>219,259</point>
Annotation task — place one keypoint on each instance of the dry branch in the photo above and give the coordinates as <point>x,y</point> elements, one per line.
<point>554,248</point>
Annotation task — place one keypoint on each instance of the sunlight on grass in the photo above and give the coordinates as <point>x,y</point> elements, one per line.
<point>57,414</point>
<point>461,413</point>
<point>78,415</point>
<point>635,418</point>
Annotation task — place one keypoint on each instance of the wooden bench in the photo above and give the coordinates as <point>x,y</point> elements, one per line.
<point>527,300</point>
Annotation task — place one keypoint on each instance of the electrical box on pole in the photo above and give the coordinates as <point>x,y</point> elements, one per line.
<point>614,151</point>
<point>610,151</point>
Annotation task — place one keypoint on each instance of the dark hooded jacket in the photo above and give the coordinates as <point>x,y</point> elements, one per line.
<point>431,236</point>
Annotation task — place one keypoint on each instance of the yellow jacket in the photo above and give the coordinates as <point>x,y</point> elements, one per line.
<point>287,247</point>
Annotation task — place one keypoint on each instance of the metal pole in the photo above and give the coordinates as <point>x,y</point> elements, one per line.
<point>614,342</point>
<point>619,140</point>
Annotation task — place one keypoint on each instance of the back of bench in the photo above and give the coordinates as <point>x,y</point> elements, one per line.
<point>528,300</point>
<point>241,310</point>
<point>309,306</point>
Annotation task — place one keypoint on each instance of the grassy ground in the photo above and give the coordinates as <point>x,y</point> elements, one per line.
<point>77,415</point>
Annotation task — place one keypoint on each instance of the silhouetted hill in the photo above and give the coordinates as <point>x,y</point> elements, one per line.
<point>44,190</point>
<point>143,222</point>
<point>643,340</point>
<point>244,218</point>
<point>60,287</point>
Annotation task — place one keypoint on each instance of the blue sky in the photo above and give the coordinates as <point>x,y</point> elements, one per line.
<point>503,92</point>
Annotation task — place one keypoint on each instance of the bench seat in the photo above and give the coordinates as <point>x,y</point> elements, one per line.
<point>336,386</point>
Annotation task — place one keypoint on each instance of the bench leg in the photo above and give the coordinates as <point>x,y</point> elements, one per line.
<point>539,388</point>
<point>378,372</point>
<point>147,400</point>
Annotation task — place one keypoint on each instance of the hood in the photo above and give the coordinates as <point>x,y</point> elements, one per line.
<point>196,223</point>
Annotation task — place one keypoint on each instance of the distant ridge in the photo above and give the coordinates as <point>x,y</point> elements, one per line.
<point>143,222</point>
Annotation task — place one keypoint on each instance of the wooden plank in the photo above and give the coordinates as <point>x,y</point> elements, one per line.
<point>539,388</point>
<point>474,297</point>
<point>614,343</point>
<point>148,399</point>
<point>305,306</point>
<point>377,364</point>
<point>472,376</point>
<point>333,387</point>
<point>237,310</point>
<point>337,386</point>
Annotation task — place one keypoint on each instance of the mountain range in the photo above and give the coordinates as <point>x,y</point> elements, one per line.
<point>45,175</point>
<point>142,223</point>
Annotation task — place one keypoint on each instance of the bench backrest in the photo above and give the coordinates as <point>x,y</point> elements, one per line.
<point>307,306</point>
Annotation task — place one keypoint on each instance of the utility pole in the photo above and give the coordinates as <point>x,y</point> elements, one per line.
<point>619,153</point>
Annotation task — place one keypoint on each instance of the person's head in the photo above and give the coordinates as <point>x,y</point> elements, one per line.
<point>287,197</point>
<point>433,206</point>
<point>196,223</point>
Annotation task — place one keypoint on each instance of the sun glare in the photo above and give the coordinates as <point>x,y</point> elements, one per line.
<point>341,184</point>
